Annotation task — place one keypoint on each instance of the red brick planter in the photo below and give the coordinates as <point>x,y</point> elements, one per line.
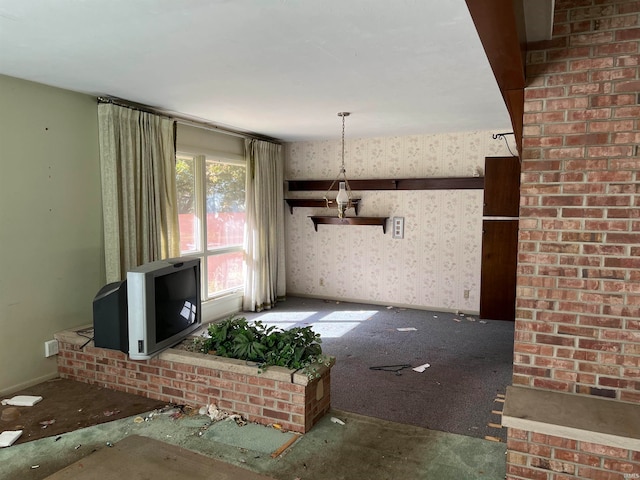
<point>277,395</point>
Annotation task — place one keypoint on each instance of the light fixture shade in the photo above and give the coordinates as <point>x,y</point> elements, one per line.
<point>342,199</point>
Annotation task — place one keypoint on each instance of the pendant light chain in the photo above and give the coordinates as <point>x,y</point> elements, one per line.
<point>343,171</point>
<point>343,114</point>
<point>342,175</point>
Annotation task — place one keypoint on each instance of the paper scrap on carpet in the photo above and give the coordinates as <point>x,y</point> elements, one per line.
<point>421,368</point>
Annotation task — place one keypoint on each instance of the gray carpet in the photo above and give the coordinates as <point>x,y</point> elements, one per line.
<point>470,362</point>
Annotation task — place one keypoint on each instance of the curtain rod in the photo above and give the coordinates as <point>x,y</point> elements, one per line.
<point>185,119</point>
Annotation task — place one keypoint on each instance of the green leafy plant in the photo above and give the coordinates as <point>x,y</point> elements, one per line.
<point>297,348</point>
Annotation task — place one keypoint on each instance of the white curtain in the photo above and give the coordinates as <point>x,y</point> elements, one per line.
<point>137,163</point>
<point>264,234</point>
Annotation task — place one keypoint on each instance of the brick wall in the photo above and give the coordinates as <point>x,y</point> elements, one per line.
<point>184,378</point>
<point>578,296</point>
<point>578,306</point>
<point>541,457</point>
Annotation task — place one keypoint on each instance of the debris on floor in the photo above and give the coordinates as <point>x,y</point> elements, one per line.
<point>8,437</point>
<point>46,423</point>
<point>406,329</point>
<point>396,309</point>
<point>22,400</point>
<point>216,414</point>
<point>283,447</point>
<point>421,368</point>
<point>337,420</point>
<point>391,368</point>
<point>171,411</point>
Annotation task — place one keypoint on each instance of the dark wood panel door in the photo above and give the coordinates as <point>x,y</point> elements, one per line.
<point>501,186</point>
<point>498,274</point>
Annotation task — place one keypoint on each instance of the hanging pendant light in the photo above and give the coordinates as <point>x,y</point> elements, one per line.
<point>343,199</point>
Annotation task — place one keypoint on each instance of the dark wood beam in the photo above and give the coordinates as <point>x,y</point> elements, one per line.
<point>514,100</point>
<point>500,26</point>
<point>321,220</point>
<point>443,183</point>
<point>318,203</point>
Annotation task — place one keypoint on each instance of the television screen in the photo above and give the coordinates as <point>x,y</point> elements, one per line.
<point>176,303</point>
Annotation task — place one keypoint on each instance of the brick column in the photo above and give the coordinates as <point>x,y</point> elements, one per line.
<point>578,295</point>
<point>578,306</point>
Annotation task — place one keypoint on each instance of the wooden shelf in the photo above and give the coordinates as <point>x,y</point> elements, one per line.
<point>382,221</point>
<point>315,202</point>
<point>443,183</point>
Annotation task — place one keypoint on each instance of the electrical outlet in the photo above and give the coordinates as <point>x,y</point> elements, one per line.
<point>466,294</point>
<point>50,348</point>
<point>321,281</point>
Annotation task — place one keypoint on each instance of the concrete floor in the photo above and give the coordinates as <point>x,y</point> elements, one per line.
<point>362,448</point>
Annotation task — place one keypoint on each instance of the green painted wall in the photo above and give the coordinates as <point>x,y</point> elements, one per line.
<point>51,248</point>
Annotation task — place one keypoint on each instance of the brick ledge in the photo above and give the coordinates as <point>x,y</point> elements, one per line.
<point>240,366</point>
<point>577,417</point>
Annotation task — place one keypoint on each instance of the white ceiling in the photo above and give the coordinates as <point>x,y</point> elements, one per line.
<point>281,68</point>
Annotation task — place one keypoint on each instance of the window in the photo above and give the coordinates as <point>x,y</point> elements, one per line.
<point>211,196</point>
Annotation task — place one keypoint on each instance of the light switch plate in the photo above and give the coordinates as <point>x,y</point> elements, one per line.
<point>398,227</point>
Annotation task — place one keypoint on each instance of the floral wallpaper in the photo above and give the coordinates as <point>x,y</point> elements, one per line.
<point>439,256</point>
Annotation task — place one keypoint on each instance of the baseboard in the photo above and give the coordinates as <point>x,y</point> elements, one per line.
<point>27,384</point>
<point>386,304</point>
